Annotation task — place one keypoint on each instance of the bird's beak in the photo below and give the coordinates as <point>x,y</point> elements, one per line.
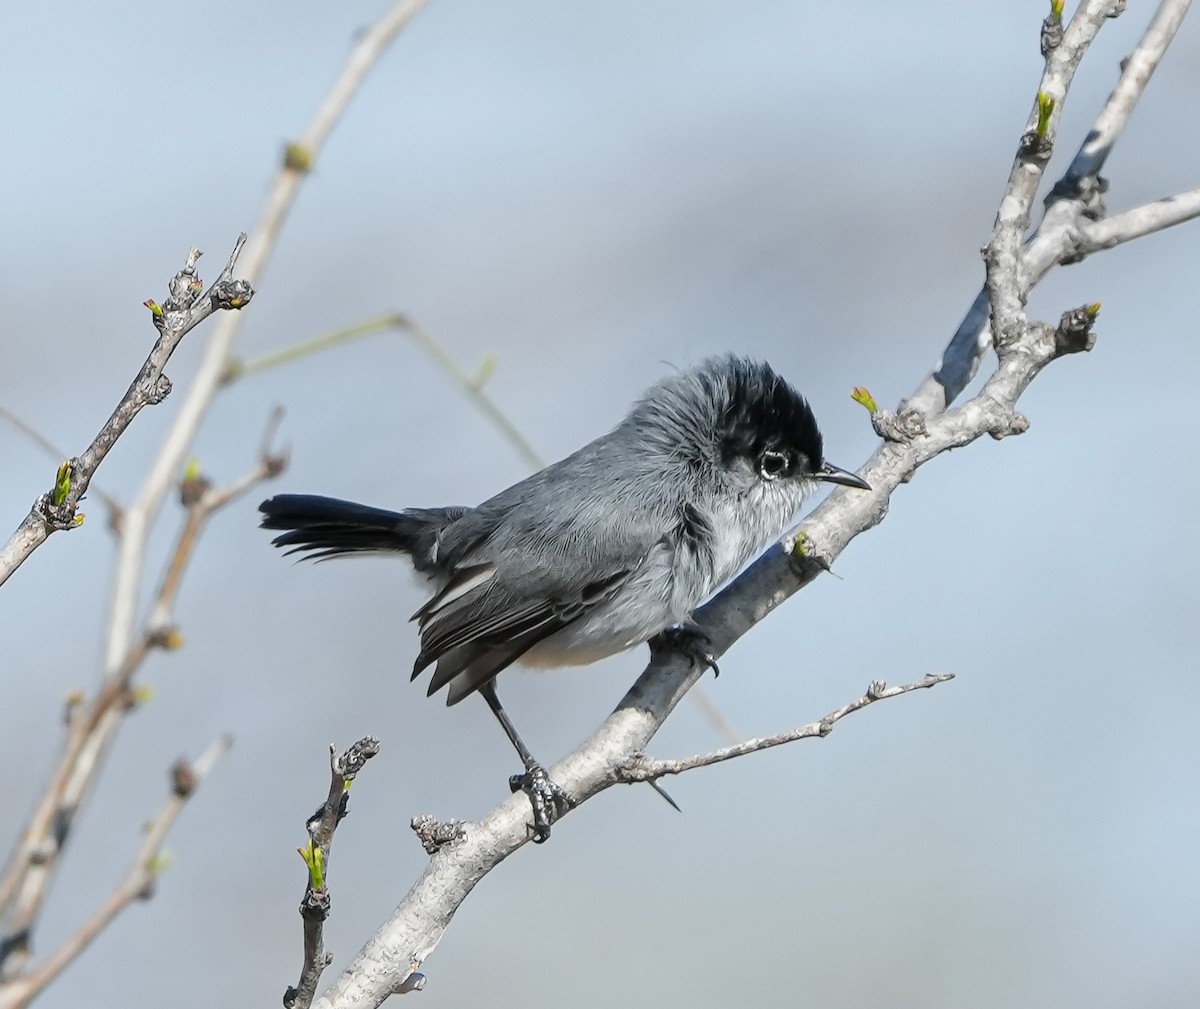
<point>829,473</point>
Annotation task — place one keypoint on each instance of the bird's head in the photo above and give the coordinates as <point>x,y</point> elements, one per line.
<point>739,419</point>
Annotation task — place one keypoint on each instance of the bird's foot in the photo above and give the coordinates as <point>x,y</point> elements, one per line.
<point>690,640</point>
<point>548,800</point>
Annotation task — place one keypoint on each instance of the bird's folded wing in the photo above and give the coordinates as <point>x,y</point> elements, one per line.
<point>490,626</point>
<point>531,561</point>
<point>474,633</point>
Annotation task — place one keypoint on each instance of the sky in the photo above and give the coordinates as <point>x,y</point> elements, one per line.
<point>594,195</point>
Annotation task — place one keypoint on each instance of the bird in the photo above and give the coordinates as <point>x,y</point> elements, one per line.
<point>611,547</point>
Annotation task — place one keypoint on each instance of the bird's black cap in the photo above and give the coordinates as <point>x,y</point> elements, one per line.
<point>762,412</point>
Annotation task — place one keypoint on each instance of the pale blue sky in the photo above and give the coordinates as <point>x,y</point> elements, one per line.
<point>592,194</point>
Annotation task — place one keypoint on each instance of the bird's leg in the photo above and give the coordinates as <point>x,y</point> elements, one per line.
<point>548,800</point>
<point>687,639</point>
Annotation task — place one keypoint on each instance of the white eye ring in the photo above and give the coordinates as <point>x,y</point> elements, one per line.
<point>772,465</point>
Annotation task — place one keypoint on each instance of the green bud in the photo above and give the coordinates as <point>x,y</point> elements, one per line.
<point>315,861</point>
<point>1046,106</point>
<point>862,396</point>
<point>297,158</point>
<point>62,484</point>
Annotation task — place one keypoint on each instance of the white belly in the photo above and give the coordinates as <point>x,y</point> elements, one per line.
<point>642,607</point>
<point>667,587</point>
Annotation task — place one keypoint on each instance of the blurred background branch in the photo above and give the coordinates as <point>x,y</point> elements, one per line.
<point>92,727</point>
<point>139,883</point>
<point>471,385</point>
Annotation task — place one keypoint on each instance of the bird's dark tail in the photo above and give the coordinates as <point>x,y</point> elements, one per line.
<point>323,527</point>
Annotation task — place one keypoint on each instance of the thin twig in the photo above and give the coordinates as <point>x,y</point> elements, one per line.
<point>139,882</point>
<point>642,768</point>
<point>182,312</point>
<point>314,907</point>
<point>52,450</point>
<point>33,434</point>
<point>202,501</point>
<point>306,348</point>
<point>1062,244</point>
<point>1078,197</point>
<point>1140,221</point>
<point>472,385</point>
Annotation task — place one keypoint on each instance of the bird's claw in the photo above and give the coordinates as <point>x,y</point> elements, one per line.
<point>548,800</point>
<point>689,640</point>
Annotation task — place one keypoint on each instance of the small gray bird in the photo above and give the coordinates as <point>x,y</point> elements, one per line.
<point>615,545</point>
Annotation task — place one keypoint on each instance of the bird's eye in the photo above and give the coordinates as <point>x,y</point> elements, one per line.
<point>773,464</point>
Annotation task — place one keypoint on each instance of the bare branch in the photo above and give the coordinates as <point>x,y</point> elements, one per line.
<point>1075,196</point>
<point>1095,236</point>
<point>314,907</point>
<point>182,312</point>
<point>643,768</point>
<point>1136,72</point>
<point>419,922</point>
<point>1005,299</point>
<point>139,882</point>
<point>421,919</point>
